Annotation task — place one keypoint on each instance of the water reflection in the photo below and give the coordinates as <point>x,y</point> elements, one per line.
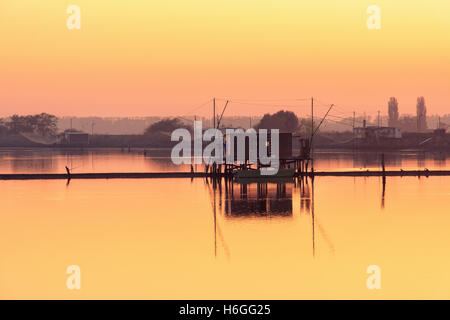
<point>334,226</point>
<point>79,160</point>
<point>440,159</point>
<point>25,164</point>
<point>235,200</point>
<point>260,199</point>
<point>373,159</point>
<point>407,159</point>
<point>305,196</point>
<point>421,159</point>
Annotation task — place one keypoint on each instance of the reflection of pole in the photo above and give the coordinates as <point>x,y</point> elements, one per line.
<point>384,180</point>
<point>354,118</point>
<point>215,225</point>
<point>312,135</point>
<point>312,215</point>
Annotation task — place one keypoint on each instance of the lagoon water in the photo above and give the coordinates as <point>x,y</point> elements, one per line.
<point>193,239</point>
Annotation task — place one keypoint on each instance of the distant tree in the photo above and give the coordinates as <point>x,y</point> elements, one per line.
<point>3,127</point>
<point>393,112</point>
<point>421,114</point>
<point>43,124</point>
<point>18,124</point>
<point>285,121</point>
<point>165,126</point>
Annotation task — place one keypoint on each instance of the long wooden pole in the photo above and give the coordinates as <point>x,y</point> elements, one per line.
<point>353,130</point>
<point>214,113</point>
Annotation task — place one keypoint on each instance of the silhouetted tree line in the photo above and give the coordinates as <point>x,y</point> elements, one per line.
<point>408,123</point>
<point>166,126</point>
<point>158,133</point>
<point>285,121</point>
<point>43,124</point>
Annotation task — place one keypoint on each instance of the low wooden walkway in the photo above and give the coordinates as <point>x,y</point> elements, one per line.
<point>160,175</point>
<point>380,173</point>
<point>112,175</point>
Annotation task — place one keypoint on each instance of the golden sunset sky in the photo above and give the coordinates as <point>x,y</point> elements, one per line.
<point>165,57</point>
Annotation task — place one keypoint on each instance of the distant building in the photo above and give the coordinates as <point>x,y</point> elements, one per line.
<point>439,138</point>
<point>74,138</point>
<point>439,132</point>
<point>377,133</point>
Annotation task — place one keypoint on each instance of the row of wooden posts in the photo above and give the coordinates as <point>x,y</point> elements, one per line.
<point>301,167</point>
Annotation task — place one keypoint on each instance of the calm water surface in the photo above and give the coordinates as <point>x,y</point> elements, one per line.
<point>177,238</point>
<point>151,160</point>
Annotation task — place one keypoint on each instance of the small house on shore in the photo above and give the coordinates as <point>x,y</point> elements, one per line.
<point>74,138</point>
<point>377,133</point>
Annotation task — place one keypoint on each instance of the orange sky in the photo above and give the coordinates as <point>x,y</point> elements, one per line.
<point>159,57</point>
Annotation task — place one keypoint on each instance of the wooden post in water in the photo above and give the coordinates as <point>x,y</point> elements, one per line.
<point>353,128</point>
<point>312,136</point>
<point>383,180</point>
<point>68,173</point>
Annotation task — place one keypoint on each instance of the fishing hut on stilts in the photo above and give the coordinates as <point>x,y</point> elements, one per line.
<point>295,152</point>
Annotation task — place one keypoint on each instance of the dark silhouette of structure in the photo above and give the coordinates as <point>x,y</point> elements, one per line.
<point>421,115</point>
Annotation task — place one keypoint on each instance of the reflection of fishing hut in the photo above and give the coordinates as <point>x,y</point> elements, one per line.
<point>373,135</point>
<point>258,199</point>
<point>305,197</point>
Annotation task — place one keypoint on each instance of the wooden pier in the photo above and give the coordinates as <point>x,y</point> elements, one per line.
<point>191,175</point>
<point>107,175</point>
